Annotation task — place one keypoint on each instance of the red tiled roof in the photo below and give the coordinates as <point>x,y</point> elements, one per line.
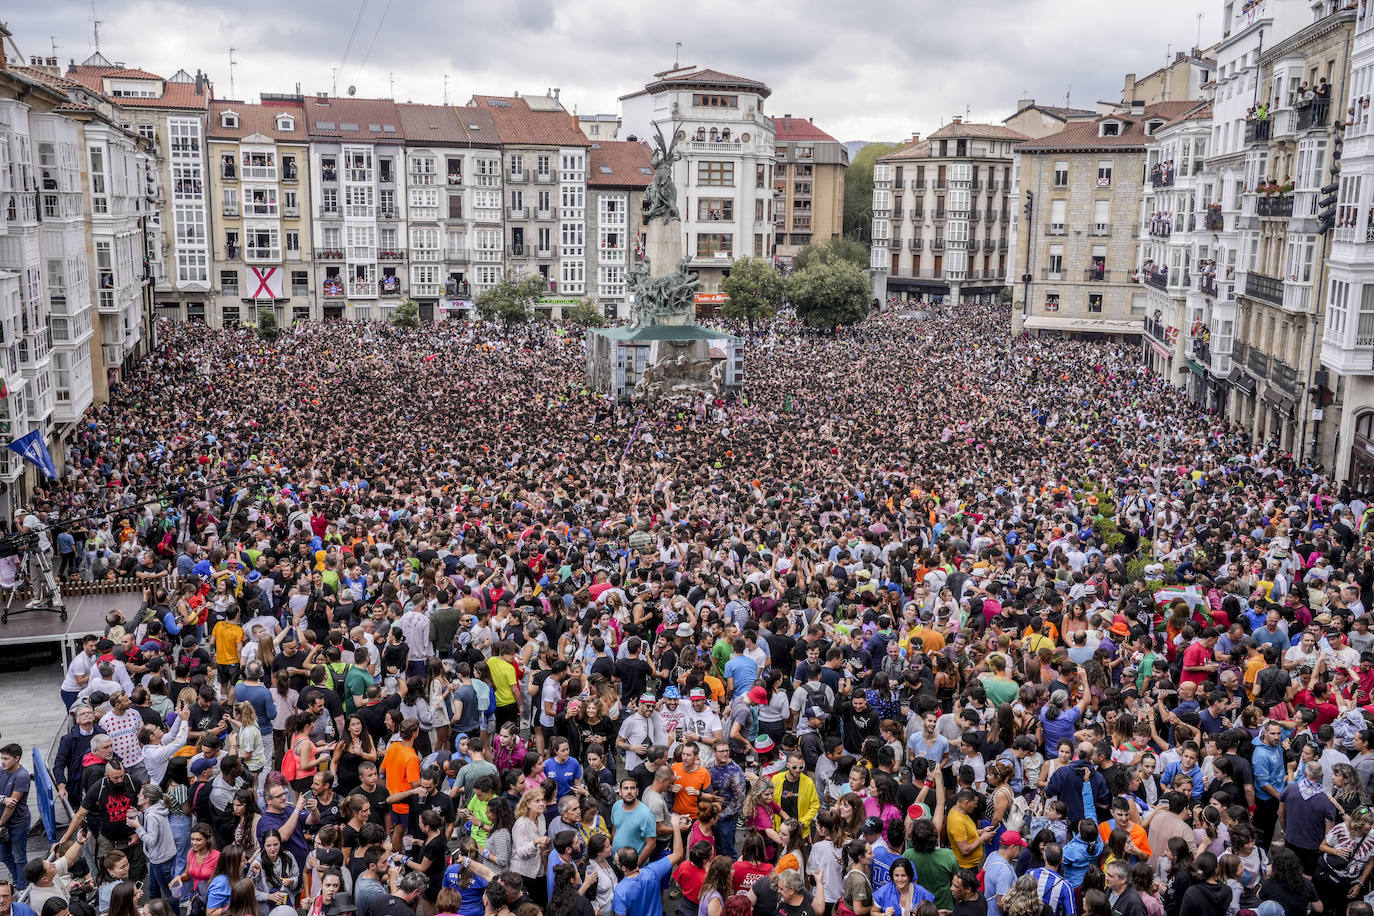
<point>788,129</point>
<point>1084,135</point>
<point>1201,111</point>
<point>517,123</point>
<point>918,150</point>
<point>61,83</point>
<point>961,131</point>
<point>174,95</point>
<point>1057,111</point>
<point>624,158</point>
<point>432,123</point>
<point>93,76</point>
<point>325,119</point>
<point>256,119</point>
<point>704,76</point>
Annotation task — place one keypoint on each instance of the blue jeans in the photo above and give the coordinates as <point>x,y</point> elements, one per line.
<point>160,880</point>
<point>68,698</point>
<point>14,852</point>
<point>181,834</point>
<point>725,836</point>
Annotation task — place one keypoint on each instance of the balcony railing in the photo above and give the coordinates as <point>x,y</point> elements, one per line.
<point>1297,297</point>
<point>1162,179</point>
<point>1157,330</point>
<point>390,255</point>
<point>1097,275</point>
<point>1201,351</point>
<point>1207,285</point>
<point>1049,273</point>
<point>1257,362</point>
<point>1313,114</point>
<point>517,177</point>
<point>1214,221</point>
<point>1274,206</point>
<point>1285,377</point>
<point>1101,230</point>
<point>358,287</point>
<point>330,254</point>
<point>1257,131</point>
<point>915,244</point>
<point>937,244</point>
<point>1266,289</point>
<point>229,173</point>
<point>1156,278</point>
<point>231,209</point>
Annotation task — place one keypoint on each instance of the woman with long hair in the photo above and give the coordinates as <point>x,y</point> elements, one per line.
<point>470,883</point>
<point>124,900</point>
<point>356,812</point>
<point>303,757</point>
<point>850,814</point>
<point>276,877</point>
<point>243,898</point>
<point>202,859</point>
<point>793,852</point>
<point>228,871</point>
<point>599,861</point>
<point>718,885</point>
<point>1182,874</point>
<point>569,894</point>
<point>497,850</point>
<point>1143,880</point>
<point>1349,848</point>
<point>999,774</point>
<point>352,749</point>
<point>759,812</point>
<point>246,817</point>
<point>440,696</point>
<point>1023,899</point>
<point>754,862</point>
<point>1288,886</point>
<point>1347,788</point>
<point>530,844</point>
<point>1207,896</point>
<point>285,699</point>
<point>882,801</point>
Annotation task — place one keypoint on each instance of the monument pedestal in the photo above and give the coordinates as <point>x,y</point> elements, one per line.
<point>663,250</point>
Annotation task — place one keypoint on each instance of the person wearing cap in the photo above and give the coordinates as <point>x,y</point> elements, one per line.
<point>998,872</point>
<point>700,723</point>
<point>641,731</point>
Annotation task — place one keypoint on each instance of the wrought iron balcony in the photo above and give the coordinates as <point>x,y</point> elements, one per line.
<point>1275,206</point>
<point>1266,289</point>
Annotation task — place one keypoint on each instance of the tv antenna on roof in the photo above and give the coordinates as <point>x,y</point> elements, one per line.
<point>677,53</point>
<point>232,64</point>
<point>95,27</point>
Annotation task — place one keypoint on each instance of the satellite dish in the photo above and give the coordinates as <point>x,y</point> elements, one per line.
<point>352,90</point>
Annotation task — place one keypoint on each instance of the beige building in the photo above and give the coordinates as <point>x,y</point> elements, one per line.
<point>1074,256</point>
<point>941,214</point>
<point>1179,81</point>
<point>258,155</point>
<point>1035,120</point>
<point>1283,267</point>
<point>808,186</point>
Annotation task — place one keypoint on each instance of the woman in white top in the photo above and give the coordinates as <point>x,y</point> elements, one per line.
<point>599,861</point>
<point>530,845</point>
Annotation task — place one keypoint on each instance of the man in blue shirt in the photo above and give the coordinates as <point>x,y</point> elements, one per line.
<point>636,829</point>
<point>640,892</point>
<point>1268,764</point>
<point>740,671</point>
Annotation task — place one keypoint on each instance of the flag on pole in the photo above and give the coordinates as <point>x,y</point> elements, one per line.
<point>634,432</point>
<point>34,450</point>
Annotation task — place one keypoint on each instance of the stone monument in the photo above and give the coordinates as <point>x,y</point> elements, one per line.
<point>663,353</point>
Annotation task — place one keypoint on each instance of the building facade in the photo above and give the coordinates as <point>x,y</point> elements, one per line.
<point>1176,251</point>
<point>1282,266</point>
<point>725,176</point>
<point>1074,256</point>
<point>808,186</point>
<point>358,193</point>
<point>1347,346</point>
<point>617,174</point>
<point>171,113</point>
<point>941,214</point>
<point>259,156</point>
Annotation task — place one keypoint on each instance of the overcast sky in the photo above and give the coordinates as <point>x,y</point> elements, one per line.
<point>862,69</point>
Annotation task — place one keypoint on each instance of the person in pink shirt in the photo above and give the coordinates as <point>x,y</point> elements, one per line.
<point>1199,663</point>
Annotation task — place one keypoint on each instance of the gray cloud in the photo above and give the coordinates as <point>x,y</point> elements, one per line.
<point>863,69</point>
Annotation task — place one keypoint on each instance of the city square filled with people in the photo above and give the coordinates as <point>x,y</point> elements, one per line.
<point>930,621</point>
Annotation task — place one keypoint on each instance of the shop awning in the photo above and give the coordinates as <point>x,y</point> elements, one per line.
<point>1241,381</point>
<point>1161,351</point>
<point>1197,369</point>
<point>1084,325</point>
<point>1278,400</point>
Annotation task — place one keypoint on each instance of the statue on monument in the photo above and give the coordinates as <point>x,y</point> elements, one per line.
<point>660,198</point>
<point>667,299</point>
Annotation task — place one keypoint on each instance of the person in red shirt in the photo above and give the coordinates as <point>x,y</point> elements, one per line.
<point>1199,662</point>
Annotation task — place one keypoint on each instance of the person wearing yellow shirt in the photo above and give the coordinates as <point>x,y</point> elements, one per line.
<point>1036,638</point>
<point>228,638</point>
<point>965,839</point>
<point>504,681</point>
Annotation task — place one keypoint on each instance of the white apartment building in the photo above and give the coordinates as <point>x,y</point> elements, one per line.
<point>1347,346</point>
<point>617,174</point>
<point>171,113</point>
<point>1247,28</point>
<point>725,177</point>
<point>357,189</point>
<point>1176,228</point>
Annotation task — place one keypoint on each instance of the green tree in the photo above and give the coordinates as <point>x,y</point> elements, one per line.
<point>585,314</point>
<point>755,289</point>
<point>512,300</point>
<point>836,249</point>
<point>267,324</point>
<point>407,314</point>
<point>858,189</point>
<point>830,293</point>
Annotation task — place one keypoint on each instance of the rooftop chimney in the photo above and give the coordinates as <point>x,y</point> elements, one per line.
<point>1024,103</point>
<point>1138,106</point>
<point>200,82</point>
<point>556,91</point>
<point>915,137</point>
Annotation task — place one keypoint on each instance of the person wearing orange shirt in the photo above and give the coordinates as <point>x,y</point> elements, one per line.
<point>690,779</point>
<point>1139,843</point>
<point>401,768</point>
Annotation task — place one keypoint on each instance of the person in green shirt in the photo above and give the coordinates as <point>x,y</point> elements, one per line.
<point>724,650</point>
<point>999,688</point>
<point>935,864</point>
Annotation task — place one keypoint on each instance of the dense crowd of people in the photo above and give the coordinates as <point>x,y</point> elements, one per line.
<point>931,621</point>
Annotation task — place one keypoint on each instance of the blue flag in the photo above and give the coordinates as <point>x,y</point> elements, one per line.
<point>35,451</point>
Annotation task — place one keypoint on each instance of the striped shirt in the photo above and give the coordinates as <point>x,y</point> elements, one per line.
<point>1054,890</point>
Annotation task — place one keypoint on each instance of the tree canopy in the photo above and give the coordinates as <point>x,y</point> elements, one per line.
<point>858,189</point>
<point>836,249</point>
<point>512,300</point>
<point>755,288</point>
<point>830,293</point>
<point>407,314</point>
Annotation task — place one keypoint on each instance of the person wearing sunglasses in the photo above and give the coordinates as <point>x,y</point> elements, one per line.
<point>795,793</point>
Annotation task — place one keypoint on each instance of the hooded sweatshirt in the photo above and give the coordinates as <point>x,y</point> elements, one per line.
<point>1203,899</point>
<point>1078,858</point>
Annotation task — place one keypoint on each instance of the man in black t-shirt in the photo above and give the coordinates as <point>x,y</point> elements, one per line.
<point>109,803</point>
<point>294,660</point>
<point>633,672</point>
<point>427,797</point>
<point>373,789</point>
